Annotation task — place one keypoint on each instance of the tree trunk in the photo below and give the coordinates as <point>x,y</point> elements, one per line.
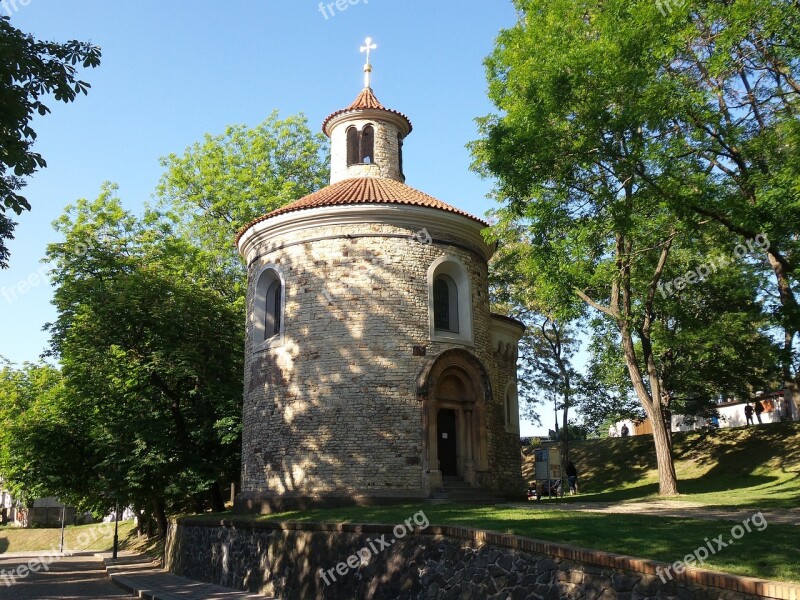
<point>791,395</point>
<point>565,427</point>
<point>667,478</point>
<point>217,500</point>
<point>159,512</point>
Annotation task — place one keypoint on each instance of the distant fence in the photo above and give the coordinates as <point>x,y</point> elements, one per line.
<point>49,516</point>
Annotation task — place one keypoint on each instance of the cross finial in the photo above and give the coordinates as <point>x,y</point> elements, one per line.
<point>368,47</point>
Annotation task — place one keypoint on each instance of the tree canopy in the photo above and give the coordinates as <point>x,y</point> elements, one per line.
<point>609,152</point>
<point>31,70</point>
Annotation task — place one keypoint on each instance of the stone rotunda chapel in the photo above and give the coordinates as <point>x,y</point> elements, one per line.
<point>374,368</point>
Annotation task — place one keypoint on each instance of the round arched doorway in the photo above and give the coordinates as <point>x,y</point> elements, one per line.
<point>454,388</point>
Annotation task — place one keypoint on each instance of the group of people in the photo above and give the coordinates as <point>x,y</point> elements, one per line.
<point>749,410</point>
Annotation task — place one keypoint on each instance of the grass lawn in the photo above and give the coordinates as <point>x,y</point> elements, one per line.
<point>744,467</point>
<point>98,537</point>
<point>770,554</point>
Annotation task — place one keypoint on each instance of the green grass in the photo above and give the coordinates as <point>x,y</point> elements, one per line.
<point>770,554</point>
<point>745,467</point>
<point>82,538</point>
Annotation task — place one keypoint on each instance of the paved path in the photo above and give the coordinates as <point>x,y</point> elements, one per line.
<point>148,580</point>
<point>75,577</point>
<point>670,508</point>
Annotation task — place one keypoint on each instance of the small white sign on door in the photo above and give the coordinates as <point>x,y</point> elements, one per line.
<point>444,436</point>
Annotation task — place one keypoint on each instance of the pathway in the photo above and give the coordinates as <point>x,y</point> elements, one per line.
<point>669,508</point>
<point>146,579</point>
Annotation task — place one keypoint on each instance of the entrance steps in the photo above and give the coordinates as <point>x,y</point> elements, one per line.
<point>456,490</point>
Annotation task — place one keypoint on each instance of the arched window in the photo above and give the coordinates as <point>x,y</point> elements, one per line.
<point>445,304</point>
<point>268,307</point>
<point>272,317</point>
<point>449,301</point>
<point>368,145</point>
<point>511,408</point>
<point>352,146</point>
<point>400,151</point>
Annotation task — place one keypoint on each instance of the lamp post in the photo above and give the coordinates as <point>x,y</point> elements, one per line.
<point>116,529</point>
<point>63,518</point>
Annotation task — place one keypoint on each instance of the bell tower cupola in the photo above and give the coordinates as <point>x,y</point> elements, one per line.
<point>366,137</point>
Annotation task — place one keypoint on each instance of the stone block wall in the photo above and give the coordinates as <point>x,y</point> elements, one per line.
<point>287,560</point>
<point>333,411</point>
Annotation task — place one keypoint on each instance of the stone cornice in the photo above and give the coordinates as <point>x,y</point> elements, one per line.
<point>256,240</point>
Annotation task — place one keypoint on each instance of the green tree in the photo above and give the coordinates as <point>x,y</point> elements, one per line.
<point>733,69</point>
<point>30,69</point>
<point>152,359</point>
<point>592,154</point>
<point>222,183</point>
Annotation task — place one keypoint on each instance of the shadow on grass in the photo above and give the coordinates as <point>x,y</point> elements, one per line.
<point>768,553</point>
<point>745,467</point>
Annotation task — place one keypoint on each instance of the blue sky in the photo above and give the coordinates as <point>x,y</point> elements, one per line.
<point>173,71</point>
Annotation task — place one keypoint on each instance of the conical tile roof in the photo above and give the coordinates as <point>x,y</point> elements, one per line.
<point>362,190</point>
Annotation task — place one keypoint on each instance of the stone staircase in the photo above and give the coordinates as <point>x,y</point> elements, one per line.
<point>456,490</point>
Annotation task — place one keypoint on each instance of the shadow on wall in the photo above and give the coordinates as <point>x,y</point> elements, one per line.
<point>321,457</point>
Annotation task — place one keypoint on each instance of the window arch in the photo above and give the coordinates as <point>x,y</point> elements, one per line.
<point>449,301</point>
<point>352,146</point>
<point>361,145</point>
<point>368,145</point>
<point>511,408</point>
<point>268,308</point>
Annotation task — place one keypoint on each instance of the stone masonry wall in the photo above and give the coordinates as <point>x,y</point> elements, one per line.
<point>504,443</point>
<point>447,563</point>
<point>333,411</point>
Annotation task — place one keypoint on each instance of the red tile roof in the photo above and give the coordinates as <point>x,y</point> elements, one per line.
<point>362,190</point>
<point>365,100</point>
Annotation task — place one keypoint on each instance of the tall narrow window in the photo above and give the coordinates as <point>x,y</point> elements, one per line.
<point>511,401</point>
<point>352,146</point>
<point>400,151</point>
<point>441,305</point>
<point>449,301</point>
<point>445,304</point>
<point>368,145</point>
<point>272,315</point>
<point>268,309</point>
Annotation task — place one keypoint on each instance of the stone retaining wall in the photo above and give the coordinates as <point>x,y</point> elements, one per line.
<point>285,559</point>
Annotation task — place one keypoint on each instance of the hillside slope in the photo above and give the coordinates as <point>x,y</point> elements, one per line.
<point>744,466</point>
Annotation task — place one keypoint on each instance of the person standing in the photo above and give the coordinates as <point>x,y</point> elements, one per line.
<point>572,478</point>
<point>625,431</point>
<point>748,413</point>
<point>759,410</point>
